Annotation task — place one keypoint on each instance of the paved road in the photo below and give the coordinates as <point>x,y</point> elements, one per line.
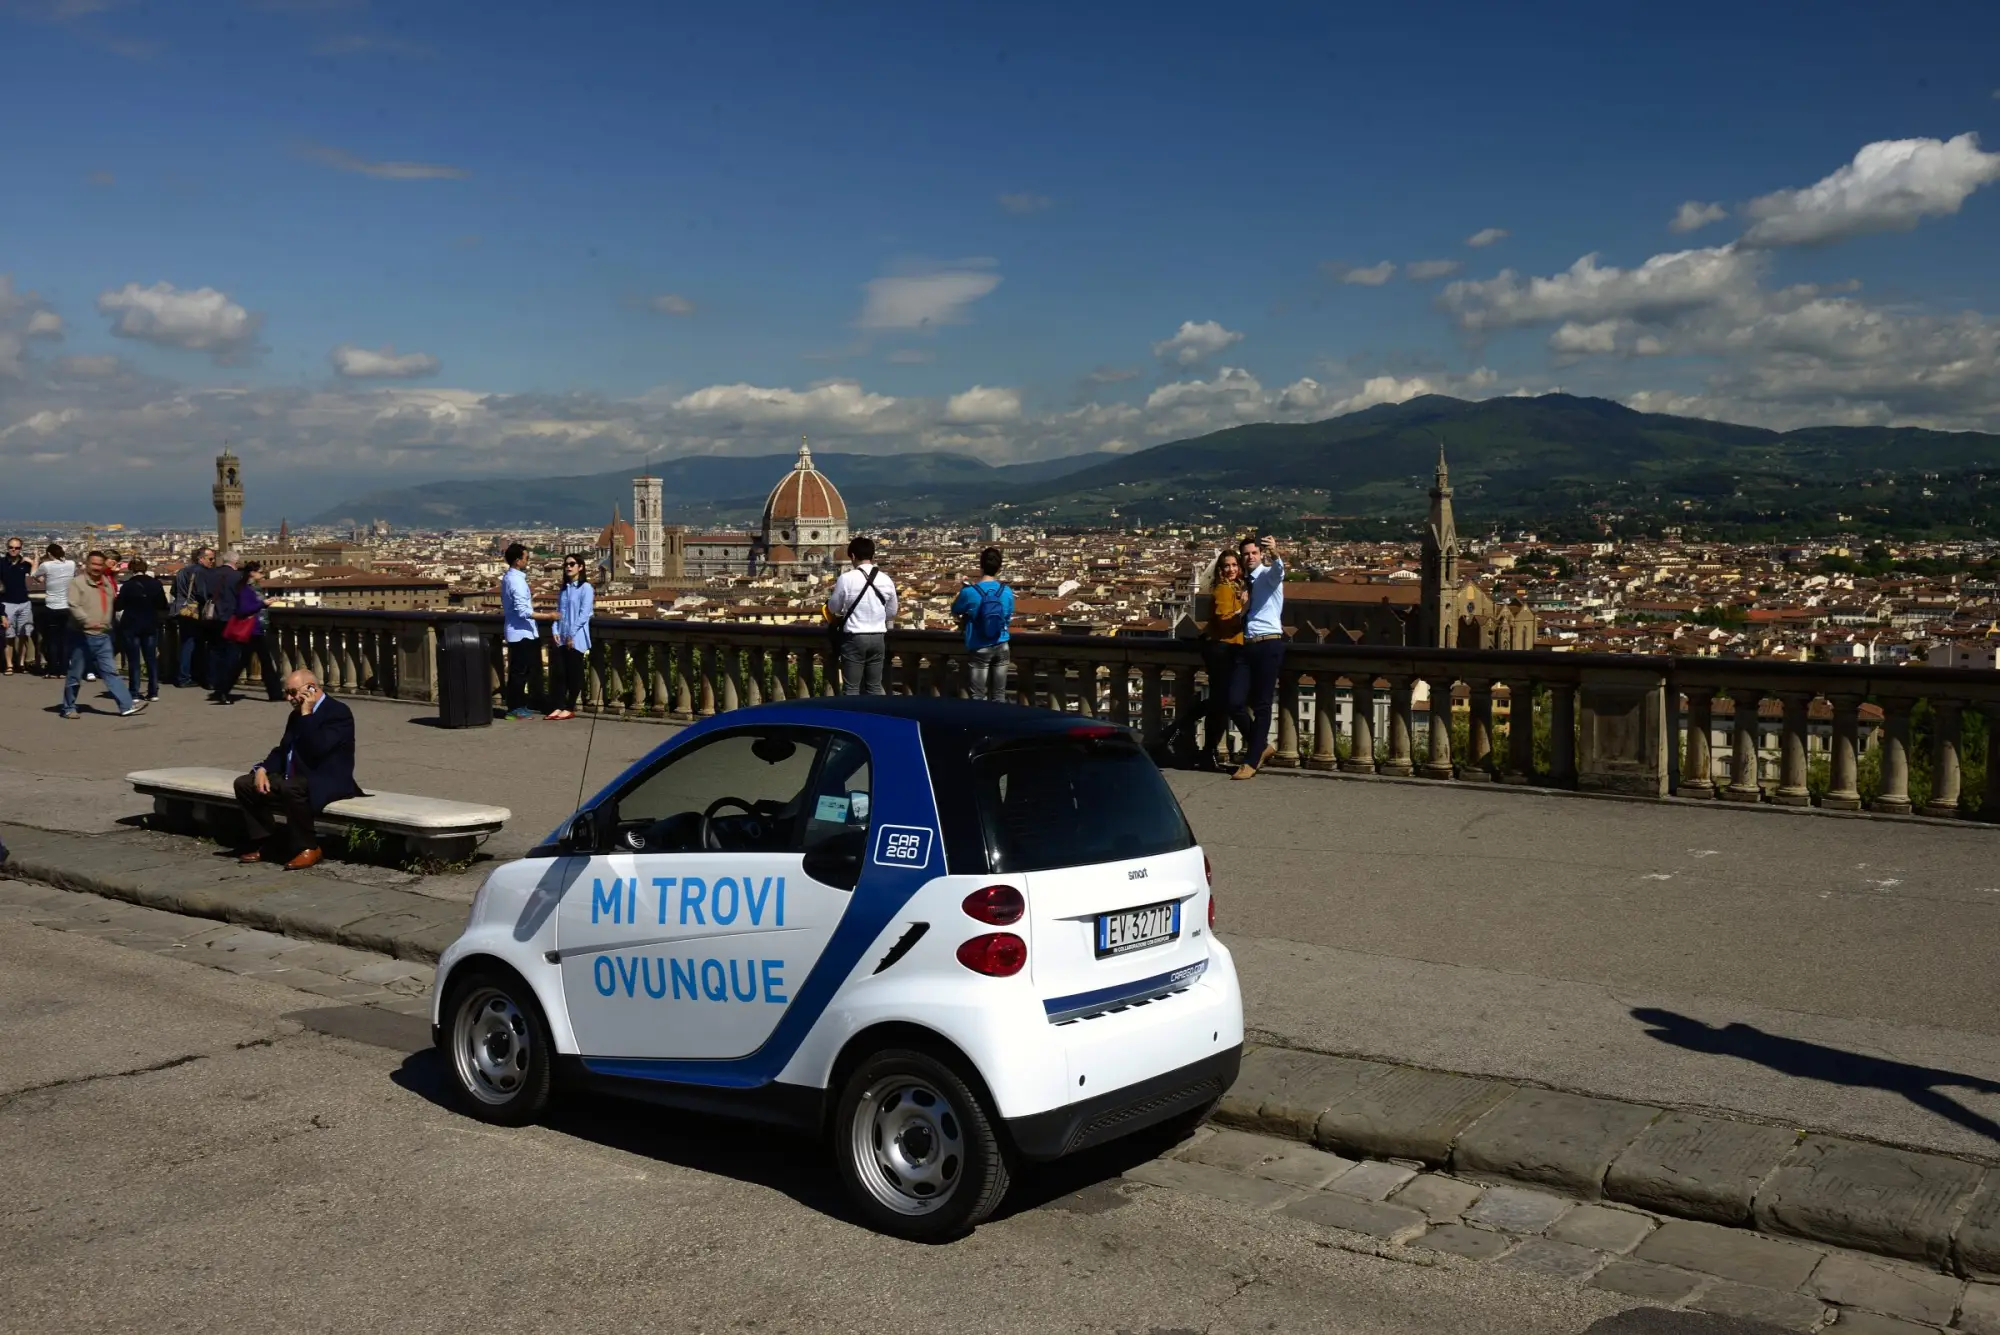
<point>1814,970</point>
<point>176,1154</point>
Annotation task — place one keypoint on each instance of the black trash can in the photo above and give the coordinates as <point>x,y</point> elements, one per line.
<point>465,680</point>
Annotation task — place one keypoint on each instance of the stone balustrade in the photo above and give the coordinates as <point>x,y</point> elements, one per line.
<point>1641,726</point>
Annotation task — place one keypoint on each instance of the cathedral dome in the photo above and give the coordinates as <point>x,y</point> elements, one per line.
<point>803,497</point>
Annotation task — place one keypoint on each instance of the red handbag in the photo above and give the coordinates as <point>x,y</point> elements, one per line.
<point>240,629</point>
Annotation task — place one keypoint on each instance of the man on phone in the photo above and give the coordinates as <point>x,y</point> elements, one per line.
<point>1255,685</point>
<point>309,769</point>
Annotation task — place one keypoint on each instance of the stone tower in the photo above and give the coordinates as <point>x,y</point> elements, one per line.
<point>649,557</point>
<point>1440,565</point>
<point>228,496</point>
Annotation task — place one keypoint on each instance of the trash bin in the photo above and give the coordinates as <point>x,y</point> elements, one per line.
<point>465,681</point>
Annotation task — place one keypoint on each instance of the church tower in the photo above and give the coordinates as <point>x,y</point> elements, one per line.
<point>649,557</point>
<point>1440,565</point>
<point>228,496</point>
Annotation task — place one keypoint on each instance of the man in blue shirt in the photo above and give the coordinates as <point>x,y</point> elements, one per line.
<point>524,646</point>
<point>1255,683</point>
<point>985,609</point>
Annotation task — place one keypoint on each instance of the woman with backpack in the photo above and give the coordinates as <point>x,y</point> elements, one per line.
<point>984,609</point>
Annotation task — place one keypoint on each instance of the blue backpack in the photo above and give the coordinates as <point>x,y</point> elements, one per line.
<point>991,618</point>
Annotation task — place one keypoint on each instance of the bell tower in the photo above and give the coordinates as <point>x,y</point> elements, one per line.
<point>228,495</point>
<point>1440,565</point>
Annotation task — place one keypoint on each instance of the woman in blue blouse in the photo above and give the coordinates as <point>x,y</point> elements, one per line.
<point>574,606</point>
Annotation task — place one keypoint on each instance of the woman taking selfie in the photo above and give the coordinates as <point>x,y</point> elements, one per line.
<point>1221,647</point>
<point>574,605</point>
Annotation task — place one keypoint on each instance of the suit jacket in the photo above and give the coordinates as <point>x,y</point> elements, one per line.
<point>321,745</point>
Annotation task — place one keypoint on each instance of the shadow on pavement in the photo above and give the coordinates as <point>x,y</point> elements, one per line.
<point>1834,1066</point>
<point>1663,1321</point>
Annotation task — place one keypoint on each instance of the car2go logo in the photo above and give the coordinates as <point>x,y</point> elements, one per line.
<point>903,846</point>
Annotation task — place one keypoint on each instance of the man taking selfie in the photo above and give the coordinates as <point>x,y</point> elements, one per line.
<point>309,769</point>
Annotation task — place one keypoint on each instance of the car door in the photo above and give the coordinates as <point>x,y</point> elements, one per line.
<point>726,870</point>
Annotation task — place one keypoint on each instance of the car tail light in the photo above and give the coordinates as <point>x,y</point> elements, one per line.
<point>1098,731</point>
<point>996,954</point>
<point>1207,870</point>
<point>1211,910</point>
<point>998,905</point>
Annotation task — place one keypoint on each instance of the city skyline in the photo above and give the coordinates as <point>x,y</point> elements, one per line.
<point>1031,239</point>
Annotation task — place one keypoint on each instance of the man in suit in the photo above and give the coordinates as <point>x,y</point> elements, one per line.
<point>311,767</point>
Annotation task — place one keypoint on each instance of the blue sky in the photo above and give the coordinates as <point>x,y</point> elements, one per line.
<point>371,241</point>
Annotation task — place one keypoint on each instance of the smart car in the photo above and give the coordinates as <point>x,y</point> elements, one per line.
<point>950,937</point>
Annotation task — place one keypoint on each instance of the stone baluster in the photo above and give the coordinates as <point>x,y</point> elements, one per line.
<point>1479,762</point>
<point>1842,791</point>
<point>729,675</point>
<point>614,677</point>
<point>1743,782</point>
<point>371,661</point>
<point>595,672</point>
<point>1945,776</point>
<point>1151,727</point>
<point>1055,675</point>
<point>1287,754</point>
<point>1186,709</point>
<point>704,675</point>
<point>1438,764</point>
<point>1792,790</point>
<point>680,661</point>
<point>1520,732</point>
<point>1119,680</point>
<point>1697,760</point>
<point>1989,807</point>
<point>1360,726</point>
<point>657,673</point>
<point>1399,761</point>
<point>754,676</point>
<point>1086,688</point>
<point>1894,799</point>
<point>1326,722</point>
<point>1562,735</point>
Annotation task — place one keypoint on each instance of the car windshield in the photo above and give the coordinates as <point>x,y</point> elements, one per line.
<point>1068,801</point>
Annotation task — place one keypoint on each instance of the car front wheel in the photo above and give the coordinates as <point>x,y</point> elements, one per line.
<point>916,1147</point>
<point>499,1048</point>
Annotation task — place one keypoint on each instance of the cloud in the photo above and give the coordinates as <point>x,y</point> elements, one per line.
<point>672,303</point>
<point>1486,236</point>
<point>1373,275</point>
<point>1890,186</point>
<point>197,320</point>
<point>835,401</point>
<point>1195,342</point>
<point>926,297</point>
<point>981,404</point>
<point>1111,375</point>
<point>341,160</point>
<point>368,364</point>
<point>1420,271</point>
<point>45,324</point>
<point>1024,202</point>
<point>88,367</point>
<point>1694,215</point>
<point>1664,285</point>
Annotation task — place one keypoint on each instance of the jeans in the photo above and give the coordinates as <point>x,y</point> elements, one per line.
<point>986,672</point>
<point>1219,660</point>
<point>861,660</point>
<point>1252,688</point>
<point>53,624</point>
<point>94,650</point>
<point>234,656</point>
<point>143,651</point>
<point>521,656</point>
<point>569,676</point>
<point>190,640</point>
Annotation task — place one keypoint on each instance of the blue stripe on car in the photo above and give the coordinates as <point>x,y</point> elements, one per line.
<point>1104,998</point>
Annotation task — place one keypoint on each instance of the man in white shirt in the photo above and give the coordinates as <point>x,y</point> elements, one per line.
<point>861,606</point>
<point>56,571</point>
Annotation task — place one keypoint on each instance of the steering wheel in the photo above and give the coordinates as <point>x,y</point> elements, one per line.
<point>708,835</point>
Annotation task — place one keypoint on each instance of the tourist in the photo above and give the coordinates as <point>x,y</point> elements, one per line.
<point>190,596</point>
<point>17,614</point>
<point>517,608</point>
<point>91,602</point>
<point>575,605</point>
<point>139,603</point>
<point>860,608</point>
<point>310,768</point>
<point>56,571</point>
<point>984,609</point>
<point>218,584</point>
<point>1221,649</point>
<point>245,634</point>
<point>1255,683</point>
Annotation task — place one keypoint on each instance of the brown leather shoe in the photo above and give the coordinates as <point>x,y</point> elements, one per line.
<point>1265,759</point>
<point>252,856</point>
<point>1245,772</point>
<point>310,858</point>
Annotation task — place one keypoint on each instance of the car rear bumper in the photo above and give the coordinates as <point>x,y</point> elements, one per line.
<point>1120,1112</point>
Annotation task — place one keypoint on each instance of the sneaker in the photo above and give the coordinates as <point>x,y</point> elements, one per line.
<point>138,707</point>
<point>90,676</point>
<point>68,713</point>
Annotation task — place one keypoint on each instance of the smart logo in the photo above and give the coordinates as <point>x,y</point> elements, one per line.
<point>903,846</point>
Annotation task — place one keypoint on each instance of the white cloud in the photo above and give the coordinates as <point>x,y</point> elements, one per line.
<point>1486,236</point>
<point>1111,375</point>
<point>672,303</point>
<point>841,401</point>
<point>368,364</point>
<point>88,367</point>
<point>984,404</point>
<point>1425,270</point>
<point>1889,187</point>
<point>45,324</point>
<point>1024,202</point>
<point>927,297</point>
<point>1693,215</point>
<point>197,319</point>
<point>1195,341</point>
<point>1663,286</point>
<point>341,160</point>
<point>1373,275</point>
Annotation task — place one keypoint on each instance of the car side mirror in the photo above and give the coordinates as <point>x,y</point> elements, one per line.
<point>590,830</point>
<point>837,861</point>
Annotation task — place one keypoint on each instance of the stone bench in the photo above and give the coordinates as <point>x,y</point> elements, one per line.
<point>194,795</point>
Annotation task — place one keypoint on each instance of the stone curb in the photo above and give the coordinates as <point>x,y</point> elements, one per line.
<point>306,905</point>
<point>1933,1209</point>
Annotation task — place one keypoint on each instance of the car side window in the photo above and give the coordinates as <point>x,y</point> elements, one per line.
<point>744,790</point>
<point>841,795</point>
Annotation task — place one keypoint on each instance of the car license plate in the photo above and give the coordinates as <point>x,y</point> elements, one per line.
<point>1135,929</point>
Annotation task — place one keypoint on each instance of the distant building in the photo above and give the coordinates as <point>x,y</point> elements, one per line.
<point>803,534</point>
<point>227,494</point>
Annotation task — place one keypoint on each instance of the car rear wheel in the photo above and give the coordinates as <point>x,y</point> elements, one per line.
<point>499,1048</point>
<point>916,1147</point>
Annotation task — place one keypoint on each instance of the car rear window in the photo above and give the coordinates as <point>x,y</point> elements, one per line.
<point>1070,801</point>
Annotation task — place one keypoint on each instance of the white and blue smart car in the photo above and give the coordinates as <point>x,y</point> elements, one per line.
<point>948,936</point>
